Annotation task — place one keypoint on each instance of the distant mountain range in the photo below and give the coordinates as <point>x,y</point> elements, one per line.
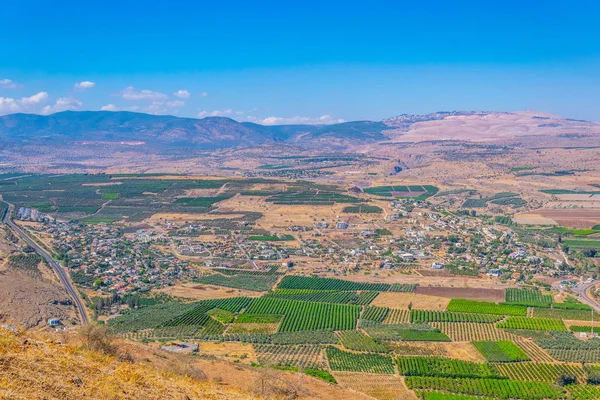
<point>164,132</point>
<point>159,130</point>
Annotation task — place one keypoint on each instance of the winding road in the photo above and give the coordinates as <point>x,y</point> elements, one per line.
<point>60,272</point>
<point>583,291</point>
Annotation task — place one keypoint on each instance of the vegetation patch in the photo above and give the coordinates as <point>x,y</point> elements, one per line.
<point>501,351</point>
<point>359,362</point>
<point>540,324</point>
<point>484,307</point>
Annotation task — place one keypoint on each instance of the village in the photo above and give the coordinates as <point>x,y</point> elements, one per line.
<point>416,238</point>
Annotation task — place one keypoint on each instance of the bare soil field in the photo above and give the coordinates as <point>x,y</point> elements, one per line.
<point>230,351</point>
<point>459,283</point>
<point>572,218</point>
<point>568,323</point>
<point>206,292</point>
<point>420,349</point>
<point>463,351</point>
<point>533,219</point>
<point>495,295</point>
<point>280,215</point>
<point>441,274</point>
<point>201,192</point>
<point>383,387</point>
<point>403,300</point>
<point>174,217</point>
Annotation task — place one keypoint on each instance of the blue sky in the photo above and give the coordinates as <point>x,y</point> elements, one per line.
<point>284,62</point>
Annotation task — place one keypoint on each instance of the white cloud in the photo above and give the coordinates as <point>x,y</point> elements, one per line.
<point>62,104</point>
<point>9,105</point>
<point>84,85</point>
<point>175,103</point>
<point>216,113</point>
<point>182,94</point>
<point>131,94</point>
<point>109,107</point>
<point>26,104</point>
<point>8,84</point>
<point>324,119</point>
<point>35,99</point>
<point>204,94</point>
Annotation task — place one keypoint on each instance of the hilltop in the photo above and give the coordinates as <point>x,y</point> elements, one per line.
<point>42,368</point>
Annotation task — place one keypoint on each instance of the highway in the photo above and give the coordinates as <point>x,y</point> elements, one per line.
<point>60,272</point>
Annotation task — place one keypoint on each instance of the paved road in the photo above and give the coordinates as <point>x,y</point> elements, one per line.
<point>584,296</point>
<point>60,272</point>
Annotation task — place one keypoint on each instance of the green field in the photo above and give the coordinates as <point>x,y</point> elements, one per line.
<point>501,351</point>
<point>357,209</point>
<point>472,306</point>
<point>581,243</point>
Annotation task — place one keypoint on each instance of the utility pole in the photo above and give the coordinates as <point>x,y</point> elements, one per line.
<point>592,321</point>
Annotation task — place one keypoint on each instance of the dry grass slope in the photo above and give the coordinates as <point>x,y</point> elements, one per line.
<point>31,369</point>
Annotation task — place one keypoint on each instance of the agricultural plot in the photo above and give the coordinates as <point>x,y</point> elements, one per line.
<point>528,297</point>
<point>358,341</point>
<point>419,349</point>
<point>253,327</point>
<point>578,315</point>
<point>579,356</point>
<point>300,356</point>
<point>541,324</point>
<point>403,332</point>
<point>497,388</point>
<point>316,283</point>
<point>475,203</point>
<point>81,195</point>
<point>358,209</point>
<point>212,327</point>
<point>501,351</point>
<point>416,192</point>
<point>540,372</point>
<point>422,316</point>
<point>187,323</point>
<point>147,317</point>
<point>376,314</point>
<point>311,197</point>
<point>306,337</point>
<point>440,366</point>
<point>571,304</point>
<point>584,328</point>
<point>306,316</point>
<point>359,362</point>
<point>324,296</point>
<point>503,199</point>
<point>415,301</point>
<point>395,316</point>
<point>259,283</point>
<point>466,332</point>
<point>581,244</point>
<point>484,307</point>
<point>433,395</point>
<point>381,387</point>
<point>563,346</point>
<point>584,392</point>
<point>535,352</point>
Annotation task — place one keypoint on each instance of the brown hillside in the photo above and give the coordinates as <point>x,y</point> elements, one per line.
<point>34,369</point>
